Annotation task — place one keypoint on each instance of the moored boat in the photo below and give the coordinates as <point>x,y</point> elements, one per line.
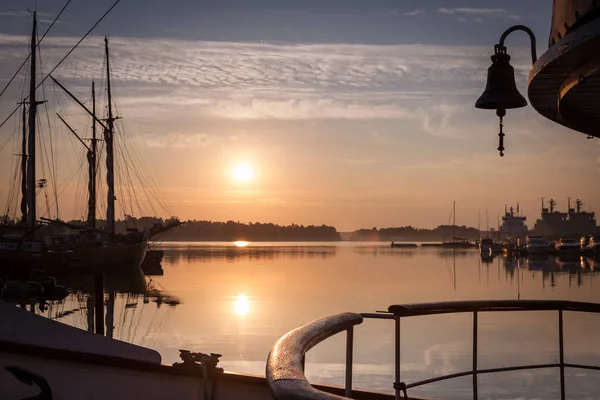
<point>31,243</point>
<point>594,244</point>
<point>567,245</point>
<point>535,245</point>
<point>496,248</point>
<point>456,242</point>
<point>403,245</point>
<point>513,224</point>
<point>485,245</point>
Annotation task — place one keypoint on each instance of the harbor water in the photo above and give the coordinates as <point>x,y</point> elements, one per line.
<point>238,299</point>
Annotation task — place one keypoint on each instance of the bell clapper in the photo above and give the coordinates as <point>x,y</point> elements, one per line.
<point>501,113</point>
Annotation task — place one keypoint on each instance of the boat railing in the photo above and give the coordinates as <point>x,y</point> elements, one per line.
<point>285,365</point>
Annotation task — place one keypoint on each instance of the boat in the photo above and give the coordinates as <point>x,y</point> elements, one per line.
<point>594,244</point>
<point>574,223</point>
<point>65,362</point>
<point>32,243</point>
<point>54,360</point>
<point>46,359</point>
<point>403,245</point>
<point>456,242</point>
<point>496,247</point>
<point>509,246</point>
<point>513,224</point>
<point>536,245</point>
<point>567,245</point>
<point>584,242</point>
<point>485,245</point>
<point>431,244</point>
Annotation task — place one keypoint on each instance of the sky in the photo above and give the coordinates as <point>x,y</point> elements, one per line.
<point>350,113</point>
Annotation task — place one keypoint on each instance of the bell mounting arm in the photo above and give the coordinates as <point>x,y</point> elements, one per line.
<point>519,28</point>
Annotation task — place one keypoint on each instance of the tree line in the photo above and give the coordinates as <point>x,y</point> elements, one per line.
<point>203,230</point>
<point>409,233</point>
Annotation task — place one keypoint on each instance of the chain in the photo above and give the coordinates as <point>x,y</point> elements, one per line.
<point>501,140</point>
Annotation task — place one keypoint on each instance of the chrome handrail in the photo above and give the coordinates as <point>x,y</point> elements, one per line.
<point>285,365</point>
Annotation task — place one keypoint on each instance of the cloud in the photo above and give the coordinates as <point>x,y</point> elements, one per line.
<point>254,81</point>
<point>22,14</point>
<point>415,12</point>
<point>177,140</point>
<point>437,119</point>
<point>41,16</point>
<point>480,12</point>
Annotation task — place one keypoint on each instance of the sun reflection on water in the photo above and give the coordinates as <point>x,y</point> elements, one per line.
<point>241,243</point>
<point>242,305</point>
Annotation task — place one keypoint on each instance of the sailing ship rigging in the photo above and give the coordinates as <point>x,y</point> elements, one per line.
<point>22,244</point>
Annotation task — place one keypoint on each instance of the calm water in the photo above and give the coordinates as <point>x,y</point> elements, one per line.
<point>238,301</point>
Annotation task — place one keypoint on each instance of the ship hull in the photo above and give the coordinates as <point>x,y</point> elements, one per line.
<point>114,258</point>
<point>537,250</point>
<point>458,245</point>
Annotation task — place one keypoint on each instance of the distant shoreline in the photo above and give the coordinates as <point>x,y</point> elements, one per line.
<point>300,240</point>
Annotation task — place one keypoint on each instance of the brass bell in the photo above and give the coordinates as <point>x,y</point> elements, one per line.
<point>501,90</point>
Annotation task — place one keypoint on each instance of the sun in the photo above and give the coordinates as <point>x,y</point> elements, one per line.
<point>243,172</point>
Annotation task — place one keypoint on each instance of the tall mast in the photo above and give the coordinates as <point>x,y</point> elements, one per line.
<point>31,216</point>
<point>92,166</point>
<point>108,137</point>
<point>498,226</point>
<point>24,168</point>
<point>453,220</point>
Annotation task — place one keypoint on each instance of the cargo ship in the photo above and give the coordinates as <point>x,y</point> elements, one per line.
<point>554,224</point>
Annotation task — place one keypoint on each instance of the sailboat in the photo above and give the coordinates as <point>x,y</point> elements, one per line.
<point>456,241</point>
<point>486,243</point>
<point>24,248</point>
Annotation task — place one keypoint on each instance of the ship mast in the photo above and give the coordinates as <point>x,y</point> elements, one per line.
<point>454,220</point>
<point>108,137</point>
<point>578,205</point>
<point>487,224</point>
<point>24,168</point>
<point>92,154</point>
<point>498,226</point>
<point>92,165</point>
<point>31,215</point>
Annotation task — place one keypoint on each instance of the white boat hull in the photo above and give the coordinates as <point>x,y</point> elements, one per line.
<point>75,380</point>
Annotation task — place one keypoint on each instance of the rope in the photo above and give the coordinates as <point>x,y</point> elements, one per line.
<point>64,58</point>
<point>36,46</point>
